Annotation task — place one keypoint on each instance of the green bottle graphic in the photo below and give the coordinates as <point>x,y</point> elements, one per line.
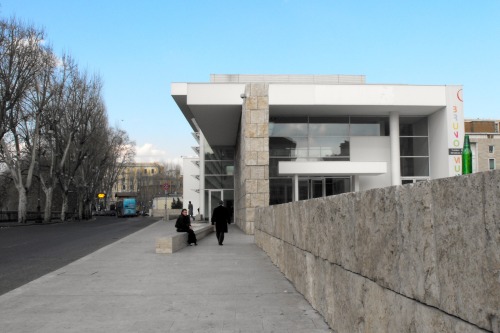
<point>466,157</point>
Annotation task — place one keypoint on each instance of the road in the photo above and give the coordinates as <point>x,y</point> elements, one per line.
<point>29,252</point>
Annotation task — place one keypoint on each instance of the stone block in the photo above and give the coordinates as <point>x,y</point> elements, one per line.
<point>173,243</point>
<point>419,257</point>
<point>257,172</point>
<point>262,130</point>
<point>417,260</point>
<point>259,89</point>
<point>263,102</point>
<point>164,245</point>
<point>251,186</point>
<point>250,131</point>
<point>263,186</point>
<point>259,117</point>
<point>251,158</point>
<point>263,157</point>
<point>255,144</point>
<point>251,103</point>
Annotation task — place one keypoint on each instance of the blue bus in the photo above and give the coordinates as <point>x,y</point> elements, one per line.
<point>126,207</point>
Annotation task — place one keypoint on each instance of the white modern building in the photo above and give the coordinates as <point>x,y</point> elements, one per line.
<point>191,182</point>
<point>271,139</point>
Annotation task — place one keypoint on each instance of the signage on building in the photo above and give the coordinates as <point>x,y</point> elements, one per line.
<point>455,119</point>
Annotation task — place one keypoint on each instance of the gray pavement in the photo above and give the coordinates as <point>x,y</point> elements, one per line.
<point>127,287</point>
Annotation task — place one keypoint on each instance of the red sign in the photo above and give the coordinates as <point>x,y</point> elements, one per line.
<point>166,186</point>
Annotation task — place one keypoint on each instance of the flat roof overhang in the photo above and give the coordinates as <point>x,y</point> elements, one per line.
<point>331,168</point>
<point>215,108</point>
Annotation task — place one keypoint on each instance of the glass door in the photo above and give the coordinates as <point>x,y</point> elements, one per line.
<point>214,196</point>
<point>317,187</point>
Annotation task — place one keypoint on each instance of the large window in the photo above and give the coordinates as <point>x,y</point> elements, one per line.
<point>315,139</point>
<point>414,147</point>
<point>320,138</point>
<point>219,167</point>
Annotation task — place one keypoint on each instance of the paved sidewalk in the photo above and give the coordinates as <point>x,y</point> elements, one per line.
<point>127,287</point>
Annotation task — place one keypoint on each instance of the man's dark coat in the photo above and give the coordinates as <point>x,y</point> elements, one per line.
<point>221,218</point>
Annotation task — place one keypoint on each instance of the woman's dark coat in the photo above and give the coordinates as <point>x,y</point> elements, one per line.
<point>183,223</point>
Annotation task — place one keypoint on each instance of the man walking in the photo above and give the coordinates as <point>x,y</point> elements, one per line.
<point>190,209</point>
<point>221,218</point>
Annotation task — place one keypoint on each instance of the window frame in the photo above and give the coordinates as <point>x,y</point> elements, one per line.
<point>490,160</point>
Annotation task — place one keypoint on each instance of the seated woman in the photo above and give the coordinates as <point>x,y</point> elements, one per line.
<point>183,224</point>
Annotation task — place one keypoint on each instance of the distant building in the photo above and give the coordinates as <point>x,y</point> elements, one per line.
<point>144,179</point>
<point>272,139</point>
<point>484,136</point>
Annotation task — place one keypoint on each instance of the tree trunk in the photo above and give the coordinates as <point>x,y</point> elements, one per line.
<point>64,206</point>
<point>80,209</point>
<point>49,193</point>
<point>88,206</point>
<point>23,202</point>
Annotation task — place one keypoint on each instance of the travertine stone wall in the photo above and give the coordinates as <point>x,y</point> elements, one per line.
<point>252,157</point>
<point>421,257</point>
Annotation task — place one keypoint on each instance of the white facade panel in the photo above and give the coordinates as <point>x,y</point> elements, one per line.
<point>178,89</point>
<point>215,94</point>
<point>372,149</point>
<point>332,168</point>
<point>374,95</point>
<point>191,184</point>
<point>438,145</point>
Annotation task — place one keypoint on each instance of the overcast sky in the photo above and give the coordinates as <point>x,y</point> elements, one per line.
<point>140,47</point>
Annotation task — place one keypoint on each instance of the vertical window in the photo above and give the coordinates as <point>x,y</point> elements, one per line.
<point>491,149</point>
<point>414,147</point>
<point>492,163</point>
<point>145,171</point>
<point>152,171</point>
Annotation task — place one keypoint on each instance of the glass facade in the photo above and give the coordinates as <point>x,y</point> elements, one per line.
<point>414,148</point>
<point>315,139</point>
<point>219,177</point>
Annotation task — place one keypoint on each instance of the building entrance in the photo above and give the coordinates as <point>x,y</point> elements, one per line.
<point>317,187</point>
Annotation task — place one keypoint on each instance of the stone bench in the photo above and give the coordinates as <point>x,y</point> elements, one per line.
<point>175,242</point>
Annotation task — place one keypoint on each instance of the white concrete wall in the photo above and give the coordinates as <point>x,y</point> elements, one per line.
<point>190,183</point>
<point>214,94</point>
<point>355,94</point>
<point>438,145</point>
<point>372,149</point>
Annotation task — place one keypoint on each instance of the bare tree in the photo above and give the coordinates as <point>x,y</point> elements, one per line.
<point>20,135</point>
<point>85,103</point>
<point>121,151</point>
<point>59,138</point>
<point>20,47</point>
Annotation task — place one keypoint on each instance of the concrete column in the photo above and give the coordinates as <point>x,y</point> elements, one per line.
<point>202,176</point>
<point>252,184</point>
<point>295,187</point>
<point>395,157</point>
<point>356,183</point>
